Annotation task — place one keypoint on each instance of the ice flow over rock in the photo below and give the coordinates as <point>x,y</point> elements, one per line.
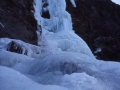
<point>58,29</point>
<point>61,61</point>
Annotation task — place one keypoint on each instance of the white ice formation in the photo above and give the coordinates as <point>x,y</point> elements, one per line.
<point>61,61</point>
<point>58,29</point>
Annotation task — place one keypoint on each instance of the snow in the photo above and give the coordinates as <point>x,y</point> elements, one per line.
<point>116,1</point>
<point>10,59</point>
<point>74,71</point>
<point>17,81</point>
<point>73,61</point>
<point>82,81</point>
<point>61,61</point>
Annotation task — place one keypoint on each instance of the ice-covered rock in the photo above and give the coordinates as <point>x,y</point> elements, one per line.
<point>18,46</point>
<point>10,59</point>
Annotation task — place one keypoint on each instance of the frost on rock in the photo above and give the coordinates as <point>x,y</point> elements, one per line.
<point>82,81</point>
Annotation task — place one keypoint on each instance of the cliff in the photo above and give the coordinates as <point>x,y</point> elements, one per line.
<point>98,23</point>
<point>17,20</point>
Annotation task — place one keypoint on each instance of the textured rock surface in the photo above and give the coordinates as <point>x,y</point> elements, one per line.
<point>17,20</point>
<point>98,23</point>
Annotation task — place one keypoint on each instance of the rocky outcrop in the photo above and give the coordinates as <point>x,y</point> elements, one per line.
<point>98,23</point>
<point>16,47</point>
<point>17,20</point>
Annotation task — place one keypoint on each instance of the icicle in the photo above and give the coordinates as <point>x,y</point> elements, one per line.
<point>73,3</point>
<point>38,10</point>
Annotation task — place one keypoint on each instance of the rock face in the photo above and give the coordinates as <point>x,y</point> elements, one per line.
<point>17,20</point>
<point>98,23</point>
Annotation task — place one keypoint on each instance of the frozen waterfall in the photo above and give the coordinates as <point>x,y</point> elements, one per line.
<point>58,29</point>
<point>61,61</point>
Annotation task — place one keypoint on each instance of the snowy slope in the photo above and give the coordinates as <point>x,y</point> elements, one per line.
<point>61,61</point>
<point>13,80</point>
<point>71,70</point>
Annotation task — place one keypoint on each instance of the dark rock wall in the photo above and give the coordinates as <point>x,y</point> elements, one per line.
<point>98,23</point>
<point>18,19</point>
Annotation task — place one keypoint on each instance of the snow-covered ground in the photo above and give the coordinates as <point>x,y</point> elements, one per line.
<point>61,61</point>
<point>54,71</point>
<point>13,80</point>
